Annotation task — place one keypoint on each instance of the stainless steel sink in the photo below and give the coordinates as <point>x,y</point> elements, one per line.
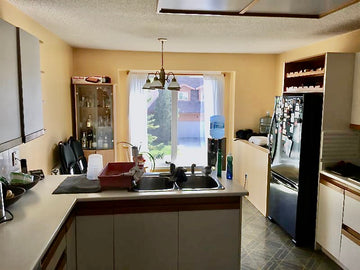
<point>200,182</point>
<point>164,182</point>
<point>154,183</point>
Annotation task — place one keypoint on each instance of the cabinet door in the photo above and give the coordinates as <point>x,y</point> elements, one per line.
<point>146,241</point>
<point>10,122</point>
<point>94,238</point>
<point>209,239</point>
<point>251,167</point>
<point>350,252</point>
<point>71,243</point>
<point>55,257</point>
<point>329,217</point>
<point>93,114</point>
<point>29,53</point>
<point>351,211</point>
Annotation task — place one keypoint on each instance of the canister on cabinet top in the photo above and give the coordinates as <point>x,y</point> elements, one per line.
<point>265,121</point>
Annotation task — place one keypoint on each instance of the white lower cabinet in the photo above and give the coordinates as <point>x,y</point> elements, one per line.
<point>352,211</point>
<point>329,217</point>
<point>251,169</point>
<point>146,241</point>
<point>178,234</point>
<point>71,245</point>
<point>209,239</point>
<point>350,242</point>
<point>62,251</point>
<point>350,253</point>
<point>94,237</point>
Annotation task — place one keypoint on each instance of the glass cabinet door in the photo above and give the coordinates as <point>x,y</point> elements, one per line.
<point>94,116</point>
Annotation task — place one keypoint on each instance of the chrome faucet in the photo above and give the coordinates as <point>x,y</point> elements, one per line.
<point>193,168</point>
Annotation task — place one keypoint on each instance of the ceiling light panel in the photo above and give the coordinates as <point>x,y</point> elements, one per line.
<point>308,7</point>
<point>203,5</point>
<point>269,8</point>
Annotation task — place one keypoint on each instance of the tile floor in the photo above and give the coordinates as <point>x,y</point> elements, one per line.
<point>267,246</point>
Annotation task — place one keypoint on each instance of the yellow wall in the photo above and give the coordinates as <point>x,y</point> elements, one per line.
<point>349,42</point>
<point>250,79</point>
<point>56,64</point>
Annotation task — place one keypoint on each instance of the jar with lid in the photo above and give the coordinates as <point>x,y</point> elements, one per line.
<point>265,122</point>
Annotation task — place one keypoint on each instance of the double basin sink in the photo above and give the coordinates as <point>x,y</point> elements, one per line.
<point>163,182</point>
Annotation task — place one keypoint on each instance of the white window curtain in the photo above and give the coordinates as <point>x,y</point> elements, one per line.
<point>137,111</point>
<point>213,98</point>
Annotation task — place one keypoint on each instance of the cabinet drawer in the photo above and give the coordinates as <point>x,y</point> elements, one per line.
<point>329,217</point>
<point>56,254</point>
<point>351,211</point>
<point>350,252</point>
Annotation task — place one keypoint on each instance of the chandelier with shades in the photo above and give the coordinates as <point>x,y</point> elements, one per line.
<point>161,77</point>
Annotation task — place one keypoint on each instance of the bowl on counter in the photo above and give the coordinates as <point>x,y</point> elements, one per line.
<point>28,185</point>
<point>17,191</point>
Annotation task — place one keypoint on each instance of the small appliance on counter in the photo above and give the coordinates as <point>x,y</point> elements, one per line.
<point>217,142</point>
<point>346,169</point>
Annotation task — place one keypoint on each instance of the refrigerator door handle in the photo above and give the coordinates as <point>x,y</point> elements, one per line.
<point>272,144</point>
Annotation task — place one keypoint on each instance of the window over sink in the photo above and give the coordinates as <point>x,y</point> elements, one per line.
<point>174,125</point>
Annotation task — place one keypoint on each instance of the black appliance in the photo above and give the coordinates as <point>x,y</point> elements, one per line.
<point>213,146</point>
<point>294,149</point>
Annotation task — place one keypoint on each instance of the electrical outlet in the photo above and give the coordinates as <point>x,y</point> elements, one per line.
<point>9,162</point>
<point>14,159</point>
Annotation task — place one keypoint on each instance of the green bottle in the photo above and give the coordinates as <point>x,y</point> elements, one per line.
<point>219,161</point>
<point>229,167</point>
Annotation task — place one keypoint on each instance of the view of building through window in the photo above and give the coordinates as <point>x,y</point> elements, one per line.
<point>177,137</point>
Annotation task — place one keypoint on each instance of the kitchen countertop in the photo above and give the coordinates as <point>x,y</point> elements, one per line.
<point>39,215</point>
<point>345,182</point>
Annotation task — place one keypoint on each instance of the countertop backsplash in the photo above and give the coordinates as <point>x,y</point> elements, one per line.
<point>340,145</point>
<point>6,164</point>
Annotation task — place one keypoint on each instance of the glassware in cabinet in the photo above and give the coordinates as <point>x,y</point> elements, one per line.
<point>93,116</point>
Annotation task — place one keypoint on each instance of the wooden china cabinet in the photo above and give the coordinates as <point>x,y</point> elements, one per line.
<point>93,119</point>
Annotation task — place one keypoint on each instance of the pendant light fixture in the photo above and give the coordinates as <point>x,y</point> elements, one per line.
<point>161,77</point>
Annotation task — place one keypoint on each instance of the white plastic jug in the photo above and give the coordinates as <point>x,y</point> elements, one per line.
<point>217,129</point>
<point>95,166</point>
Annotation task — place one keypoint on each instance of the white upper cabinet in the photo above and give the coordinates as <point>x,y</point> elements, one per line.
<point>355,114</point>
<point>10,121</point>
<point>30,86</point>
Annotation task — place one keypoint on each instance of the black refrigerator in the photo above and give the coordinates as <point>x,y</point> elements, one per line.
<point>294,143</point>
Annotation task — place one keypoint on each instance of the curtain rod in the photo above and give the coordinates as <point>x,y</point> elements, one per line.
<point>181,74</point>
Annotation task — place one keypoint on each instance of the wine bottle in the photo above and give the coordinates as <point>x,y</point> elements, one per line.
<point>89,132</point>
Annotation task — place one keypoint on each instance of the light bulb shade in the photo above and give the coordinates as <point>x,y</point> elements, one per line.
<point>147,84</point>
<point>156,84</point>
<point>174,85</point>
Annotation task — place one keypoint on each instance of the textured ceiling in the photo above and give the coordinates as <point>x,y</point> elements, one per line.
<point>134,25</point>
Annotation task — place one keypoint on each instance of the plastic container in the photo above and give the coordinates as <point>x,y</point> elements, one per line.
<point>95,166</point>
<point>217,126</point>
<point>229,166</point>
<point>111,177</point>
<point>265,122</point>
<point>20,178</point>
